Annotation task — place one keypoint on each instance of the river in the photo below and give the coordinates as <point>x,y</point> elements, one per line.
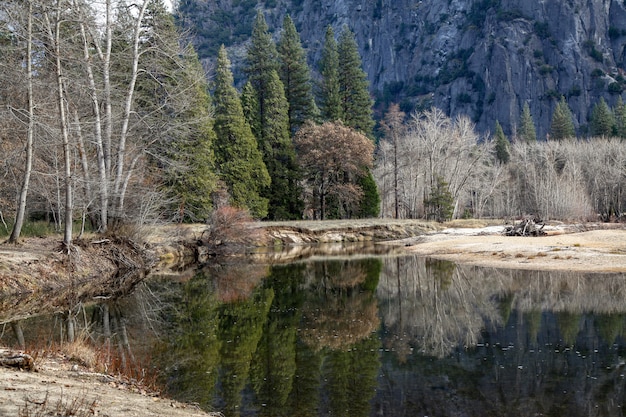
<point>365,335</point>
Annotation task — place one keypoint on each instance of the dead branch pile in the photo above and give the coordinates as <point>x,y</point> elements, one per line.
<point>526,227</point>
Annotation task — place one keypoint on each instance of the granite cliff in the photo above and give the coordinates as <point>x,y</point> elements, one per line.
<point>482,58</point>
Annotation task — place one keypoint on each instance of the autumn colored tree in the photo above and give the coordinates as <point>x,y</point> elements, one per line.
<point>333,158</point>
<point>240,162</point>
<point>295,76</point>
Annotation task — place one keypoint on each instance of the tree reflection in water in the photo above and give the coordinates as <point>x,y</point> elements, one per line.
<point>350,336</point>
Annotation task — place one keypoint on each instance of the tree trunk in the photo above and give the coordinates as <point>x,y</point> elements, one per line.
<point>21,208</point>
<point>55,38</point>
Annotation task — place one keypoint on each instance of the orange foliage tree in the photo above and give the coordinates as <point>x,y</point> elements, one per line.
<point>333,158</point>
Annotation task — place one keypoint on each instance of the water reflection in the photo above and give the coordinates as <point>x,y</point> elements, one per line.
<point>366,336</point>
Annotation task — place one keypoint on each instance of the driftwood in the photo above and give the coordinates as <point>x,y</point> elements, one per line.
<point>19,361</point>
<point>526,227</point>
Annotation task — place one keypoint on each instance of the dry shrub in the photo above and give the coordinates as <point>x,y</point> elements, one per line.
<point>231,229</point>
<point>75,407</point>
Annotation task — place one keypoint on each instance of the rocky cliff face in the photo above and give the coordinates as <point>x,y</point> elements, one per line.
<point>481,58</point>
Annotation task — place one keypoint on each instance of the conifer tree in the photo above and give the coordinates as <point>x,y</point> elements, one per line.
<point>295,76</point>
<point>526,130</point>
<point>602,121</point>
<point>239,160</point>
<point>280,155</point>
<point>250,105</point>
<point>502,145</point>
<point>172,94</point>
<point>330,104</point>
<point>620,118</point>
<point>194,178</point>
<point>261,60</point>
<point>273,124</point>
<point>356,103</point>
<point>562,126</point>
<point>370,202</point>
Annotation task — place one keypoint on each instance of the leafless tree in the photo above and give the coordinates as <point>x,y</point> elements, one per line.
<point>433,146</point>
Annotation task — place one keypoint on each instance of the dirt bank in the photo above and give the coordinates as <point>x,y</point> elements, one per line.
<point>62,388</point>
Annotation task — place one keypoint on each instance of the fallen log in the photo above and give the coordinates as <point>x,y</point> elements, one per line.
<point>19,361</point>
<point>526,227</point>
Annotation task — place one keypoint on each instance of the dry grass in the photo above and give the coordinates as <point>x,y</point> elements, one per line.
<point>74,407</point>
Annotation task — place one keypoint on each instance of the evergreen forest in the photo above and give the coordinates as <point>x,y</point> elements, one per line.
<point>109,118</point>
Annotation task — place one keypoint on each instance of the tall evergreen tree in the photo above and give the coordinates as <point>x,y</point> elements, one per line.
<point>330,104</point>
<point>239,160</point>
<point>172,93</point>
<point>273,125</point>
<point>193,178</point>
<point>261,60</point>
<point>502,145</point>
<point>250,104</point>
<point>562,126</point>
<point>602,121</point>
<point>620,118</point>
<point>295,76</point>
<point>526,130</point>
<point>280,155</point>
<point>356,103</point>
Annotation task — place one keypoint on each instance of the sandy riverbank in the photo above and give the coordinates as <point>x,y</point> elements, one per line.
<point>565,247</point>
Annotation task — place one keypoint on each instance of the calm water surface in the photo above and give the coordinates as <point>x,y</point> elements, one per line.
<point>373,336</point>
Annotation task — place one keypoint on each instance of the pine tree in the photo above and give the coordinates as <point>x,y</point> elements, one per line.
<point>273,124</point>
<point>295,76</point>
<point>261,60</point>
<point>526,130</point>
<point>620,118</point>
<point>356,103</point>
<point>239,160</point>
<point>602,120</point>
<point>194,152</point>
<point>370,203</point>
<point>502,145</point>
<point>172,94</point>
<point>562,126</point>
<point>250,104</point>
<point>330,104</point>
<point>280,155</point>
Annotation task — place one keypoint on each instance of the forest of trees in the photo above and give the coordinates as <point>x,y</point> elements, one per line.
<point>108,118</point>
